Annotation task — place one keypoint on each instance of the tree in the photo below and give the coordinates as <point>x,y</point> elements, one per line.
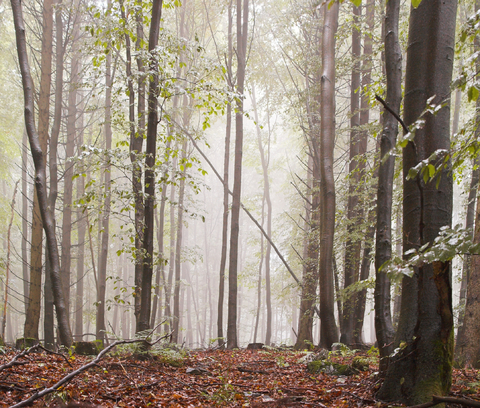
<point>33,312</point>
<point>242,34</point>
<point>328,333</point>
<point>393,67</point>
<point>40,176</point>
<point>151,149</point>
<point>423,367</point>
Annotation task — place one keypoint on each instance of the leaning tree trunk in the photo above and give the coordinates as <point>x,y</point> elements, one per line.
<point>393,65</point>
<point>423,367</point>
<point>32,317</point>
<point>242,33</point>
<point>328,333</point>
<point>40,176</point>
<point>146,294</point>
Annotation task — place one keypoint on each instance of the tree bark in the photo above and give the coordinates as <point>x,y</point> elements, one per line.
<point>353,242</point>
<point>393,65</point>
<point>40,177</point>
<point>146,294</point>
<point>242,34</point>
<point>32,317</point>
<point>329,332</point>
<point>226,164</point>
<point>423,367</point>
<point>25,274</point>
<point>100,325</point>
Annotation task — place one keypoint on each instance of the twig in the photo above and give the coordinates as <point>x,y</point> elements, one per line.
<point>73,374</point>
<point>453,400</point>
<point>55,353</point>
<point>14,361</point>
<point>395,115</point>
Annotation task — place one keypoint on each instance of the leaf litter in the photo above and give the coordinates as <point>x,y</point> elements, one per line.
<point>204,378</point>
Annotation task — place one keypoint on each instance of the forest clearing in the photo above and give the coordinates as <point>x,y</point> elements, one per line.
<point>182,180</point>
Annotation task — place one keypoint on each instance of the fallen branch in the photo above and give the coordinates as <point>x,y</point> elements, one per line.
<point>452,400</point>
<point>92,363</point>
<point>14,361</point>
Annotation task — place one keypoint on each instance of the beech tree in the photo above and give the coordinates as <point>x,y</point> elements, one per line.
<point>423,365</point>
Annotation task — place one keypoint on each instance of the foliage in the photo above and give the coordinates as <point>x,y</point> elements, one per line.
<point>449,243</point>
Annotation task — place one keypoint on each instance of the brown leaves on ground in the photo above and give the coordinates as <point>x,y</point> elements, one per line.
<point>240,378</point>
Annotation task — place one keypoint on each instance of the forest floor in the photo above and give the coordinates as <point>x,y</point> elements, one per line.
<point>240,378</point>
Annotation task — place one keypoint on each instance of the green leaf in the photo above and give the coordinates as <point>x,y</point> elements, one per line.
<point>416,3</point>
<point>473,93</point>
<point>431,170</point>
<point>412,173</point>
<point>356,2</point>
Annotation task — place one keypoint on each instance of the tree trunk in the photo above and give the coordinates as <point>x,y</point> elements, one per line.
<point>100,326</point>
<point>178,250</point>
<point>146,293</point>
<point>393,65</point>
<point>329,333</point>
<point>81,225</point>
<point>40,178</point>
<point>354,242</point>
<point>423,367</point>
<point>32,317</point>
<point>25,274</point>
<point>242,34</point>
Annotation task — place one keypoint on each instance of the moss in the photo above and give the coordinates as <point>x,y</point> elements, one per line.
<point>360,363</point>
<point>25,342</point>
<point>87,348</point>
<point>328,367</point>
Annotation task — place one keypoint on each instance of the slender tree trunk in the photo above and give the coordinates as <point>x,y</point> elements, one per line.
<point>81,225</point>
<point>48,321</point>
<point>40,178</point>
<point>25,274</point>
<point>66,259</point>
<point>242,33</point>
<point>100,326</point>
<point>7,264</point>
<point>329,332</point>
<point>226,164</point>
<point>369,234</point>
<point>33,312</point>
<point>426,318</point>
<point>146,294</point>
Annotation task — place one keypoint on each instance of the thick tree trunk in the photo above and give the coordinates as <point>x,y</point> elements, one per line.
<point>393,65</point>
<point>40,177</point>
<point>146,293</point>
<point>242,34</point>
<point>423,367</point>
<point>329,332</point>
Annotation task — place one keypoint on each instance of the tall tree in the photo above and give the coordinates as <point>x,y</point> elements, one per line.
<point>226,163</point>
<point>353,243</point>
<point>242,35</point>
<point>40,176</point>
<point>423,367</point>
<point>329,332</point>
<point>104,221</point>
<point>393,67</point>
<point>32,317</point>
<point>151,149</point>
